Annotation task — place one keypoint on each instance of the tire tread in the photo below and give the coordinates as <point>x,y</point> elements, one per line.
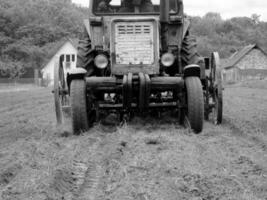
<point>78,106</point>
<point>195,101</point>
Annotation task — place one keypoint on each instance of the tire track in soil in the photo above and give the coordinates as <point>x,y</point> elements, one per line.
<point>100,170</point>
<point>105,171</point>
<point>78,183</point>
<point>91,182</point>
<point>80,180</point>
<point>68,181</point>
<point>248,132</point>
<point>245,120</point>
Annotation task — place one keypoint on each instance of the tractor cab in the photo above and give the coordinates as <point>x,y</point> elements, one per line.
<point>137,33</point>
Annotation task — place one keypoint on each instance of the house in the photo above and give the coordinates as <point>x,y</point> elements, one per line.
<point>248,63</point>
<point>68,53</point>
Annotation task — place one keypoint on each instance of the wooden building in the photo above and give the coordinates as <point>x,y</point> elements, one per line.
<point>248,63</point>
<point>68,52</point>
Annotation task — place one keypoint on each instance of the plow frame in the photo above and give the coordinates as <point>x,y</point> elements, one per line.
<point>214,90</point>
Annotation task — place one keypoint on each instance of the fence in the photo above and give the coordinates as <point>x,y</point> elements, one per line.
<point>20,81</point>
<point>235,75</point>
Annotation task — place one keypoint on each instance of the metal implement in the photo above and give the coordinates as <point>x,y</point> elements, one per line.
<point>214,90</point>
<point>61,98</point>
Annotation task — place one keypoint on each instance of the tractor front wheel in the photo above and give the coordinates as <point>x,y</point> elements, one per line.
<point>78,106</point>
<point>195,103</point>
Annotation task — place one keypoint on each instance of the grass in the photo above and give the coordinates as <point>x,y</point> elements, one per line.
<point>254,84</point>
<point>146,158</point>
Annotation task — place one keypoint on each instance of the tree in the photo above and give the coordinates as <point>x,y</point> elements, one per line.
<point>216,34</point>
<point>27,27</point>
<point>255,18</point>
<point>10,69</point>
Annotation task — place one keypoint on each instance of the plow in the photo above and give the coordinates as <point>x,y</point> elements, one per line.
<point>134,62</point>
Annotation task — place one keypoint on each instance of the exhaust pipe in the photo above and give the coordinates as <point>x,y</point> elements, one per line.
<point>164,21</point>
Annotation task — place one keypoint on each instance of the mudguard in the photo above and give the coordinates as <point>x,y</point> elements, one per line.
<point>192,70</point>
<point>74,74</point>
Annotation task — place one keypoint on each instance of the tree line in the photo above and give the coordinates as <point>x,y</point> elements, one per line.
<point>228,36</point>
<point>30,31</point>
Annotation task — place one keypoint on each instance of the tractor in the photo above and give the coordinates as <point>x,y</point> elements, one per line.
<point>137,57</point>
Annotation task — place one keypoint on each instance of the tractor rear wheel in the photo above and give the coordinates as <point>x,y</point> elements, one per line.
<point>189,53</point>
<point>78,106</point>
<point>86,55</point>
<point>195,103</point>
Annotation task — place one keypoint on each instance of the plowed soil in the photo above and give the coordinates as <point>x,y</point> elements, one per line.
<point>146,159</point>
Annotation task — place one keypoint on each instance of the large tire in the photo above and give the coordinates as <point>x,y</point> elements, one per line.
<point>86,55</point>
<point>189,53</point>
<point>195,103</point>
<point>218,115</point>
<point>78,106</point>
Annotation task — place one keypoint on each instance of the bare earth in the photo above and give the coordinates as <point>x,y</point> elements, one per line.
<point>147,159</point>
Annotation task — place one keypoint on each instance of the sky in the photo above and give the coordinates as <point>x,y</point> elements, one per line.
<point>227,8</point>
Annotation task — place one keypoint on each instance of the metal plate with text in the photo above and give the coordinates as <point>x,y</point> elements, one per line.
<point>134,43</point>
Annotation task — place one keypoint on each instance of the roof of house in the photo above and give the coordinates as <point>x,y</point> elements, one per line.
<point>74,42</point>
<point>223,61</point>
<point>237,56</point>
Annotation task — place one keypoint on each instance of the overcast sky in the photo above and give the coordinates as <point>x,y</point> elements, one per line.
<point>227,8</point>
